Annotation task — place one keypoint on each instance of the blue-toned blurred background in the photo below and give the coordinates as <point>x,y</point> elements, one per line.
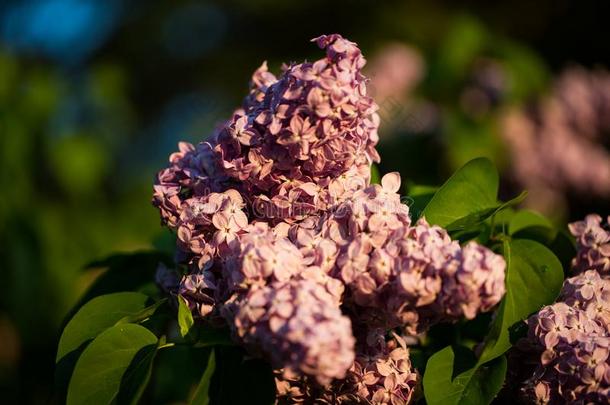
<point>95,94</point>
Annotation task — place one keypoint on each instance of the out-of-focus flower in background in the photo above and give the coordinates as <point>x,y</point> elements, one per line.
<point>560,147</point>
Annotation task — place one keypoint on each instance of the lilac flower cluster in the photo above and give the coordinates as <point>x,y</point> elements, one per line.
<point>572,341</point>
<point>403,275</point>
<point>298,132</point>
<point>300,325</point>
<point>592,244</point>
<point>280,235</point>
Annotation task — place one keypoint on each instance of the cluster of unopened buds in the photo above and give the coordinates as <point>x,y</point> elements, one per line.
<point>281,235</point>
<point>571,338</point>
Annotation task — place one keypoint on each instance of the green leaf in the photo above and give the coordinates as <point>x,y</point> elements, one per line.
<point>476,218</point>
<point>100,369</point>
<point>144,314</point>
<point>185,317</point>
<point>471,189</point>
<point>533,278</point>
<point>528,224</point>
<point>138,374</point>
<point>525,219</point>
<point>563,246</point>
<point>452,377</point>
<point>202,393</point>
<point>96,316</point>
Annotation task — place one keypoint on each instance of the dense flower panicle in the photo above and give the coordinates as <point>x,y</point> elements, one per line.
<point>404,275</point>
<point>264,255</point>
<point>299,327</point>
<point>572,340</point>
<point>304,129</point>
<point>558,146</point>
<point>592,244</point>
<point>478,284</point>
<point>279,230</point>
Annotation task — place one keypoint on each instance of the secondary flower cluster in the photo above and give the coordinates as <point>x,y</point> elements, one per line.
<point>280,234</point>
<point>572,338</point>
<point>403,275</point>
<point>300,326</point>
<point>381,374</point>
<point>592,244</point>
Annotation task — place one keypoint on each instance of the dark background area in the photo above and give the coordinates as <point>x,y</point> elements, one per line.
<point>95,94</point>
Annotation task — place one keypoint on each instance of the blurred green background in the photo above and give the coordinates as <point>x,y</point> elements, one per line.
<point>95,94</point>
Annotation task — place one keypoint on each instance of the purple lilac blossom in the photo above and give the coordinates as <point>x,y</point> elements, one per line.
<point>404,275</point>
<point>572,341</point>
<point>301,131</point>
<point>299,327</point>
<point>592,244</point>
<point>279,231</point>
<point>381,374</point>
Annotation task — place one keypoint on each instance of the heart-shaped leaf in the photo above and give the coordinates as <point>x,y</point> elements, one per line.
<point>100,369</point>
<point>476,218</point>
<point>138,375</point>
